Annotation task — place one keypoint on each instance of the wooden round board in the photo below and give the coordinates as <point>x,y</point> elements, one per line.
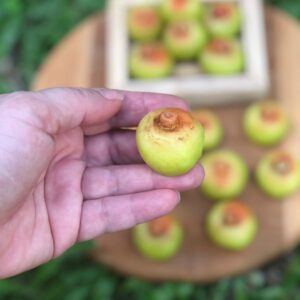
<point>79,61</point>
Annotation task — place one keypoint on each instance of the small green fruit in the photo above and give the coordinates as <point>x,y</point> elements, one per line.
<point>223,20</point>
<point>213,131</point>
<point>159,239</point>
<point>150,61</point>
<point>170,141</point>
<point>181,9</point>
<point>184,38</point>
<point>144,23</point>
<point>278,174</point>
<point>265,123</point>
<point>226,175</point>
<point>231,225</point>
<point>222,57</point>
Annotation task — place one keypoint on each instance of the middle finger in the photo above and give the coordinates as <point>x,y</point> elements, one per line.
<point>120,180</point>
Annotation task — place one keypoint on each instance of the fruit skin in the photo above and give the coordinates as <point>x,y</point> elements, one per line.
<point>222,57</point>
<point>278,174</point>
<point>226,174</point>
<point>213,130</point>
<point>150,61</point>
<point>231,225</point>
<point>222,20</point>
<point>170,141</point>
<point>265,123</point>
<point>160,247</point>
<point>190,39</point>
<point>144,23</point>
<point>181,9</point>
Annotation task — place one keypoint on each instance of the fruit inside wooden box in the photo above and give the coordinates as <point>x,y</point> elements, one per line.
<point>207,52</point>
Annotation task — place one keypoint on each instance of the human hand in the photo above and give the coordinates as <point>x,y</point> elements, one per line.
<point>69,173</point>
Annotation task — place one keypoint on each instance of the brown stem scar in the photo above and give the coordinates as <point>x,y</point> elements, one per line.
<point>160,226</point>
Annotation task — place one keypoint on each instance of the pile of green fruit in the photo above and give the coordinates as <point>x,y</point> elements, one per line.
<point>184,30</point>
<point>177,136</point>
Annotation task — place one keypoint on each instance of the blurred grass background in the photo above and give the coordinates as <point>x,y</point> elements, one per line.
<point>28,30</point>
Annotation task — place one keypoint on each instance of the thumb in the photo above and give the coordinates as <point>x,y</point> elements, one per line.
<point>72,107</point>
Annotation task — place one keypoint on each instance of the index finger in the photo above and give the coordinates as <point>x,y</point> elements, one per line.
<point>137,104</point>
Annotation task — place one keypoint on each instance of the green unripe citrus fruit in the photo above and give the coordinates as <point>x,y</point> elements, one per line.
<point>213,131</point>
<point>150,61</point>
<point>144,23</point>
<point>170,141</point>
<point>265,123</point>
<point>222,57</point>
<point>222,20</point>
<point>231,225</point>
<point>226,174</point>
<point>184,39</point>
<point>278,174</point>
<point>159,239</point>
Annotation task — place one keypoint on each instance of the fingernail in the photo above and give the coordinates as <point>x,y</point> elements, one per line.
<point>111,94</point>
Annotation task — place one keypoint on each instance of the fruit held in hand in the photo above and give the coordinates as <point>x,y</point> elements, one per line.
<point>150,61</point>
<point>222,57</point>
<point>265,123</point>
<point>231,225</point>
<point>222,20</point>
<point>159,239</point>
<point>278,174</point>
<point>170,141</point>
<point>144,23</point>
<point>213,131</point>
<point>184,38</point>
<point>226,175</point>
<point>181,9</point>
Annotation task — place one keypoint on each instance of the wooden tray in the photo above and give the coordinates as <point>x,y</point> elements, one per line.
<point>79,61</point>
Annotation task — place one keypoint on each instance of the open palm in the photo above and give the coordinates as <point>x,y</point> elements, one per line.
<point>69,173</point>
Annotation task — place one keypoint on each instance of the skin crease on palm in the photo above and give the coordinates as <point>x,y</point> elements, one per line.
<point>68,172</point>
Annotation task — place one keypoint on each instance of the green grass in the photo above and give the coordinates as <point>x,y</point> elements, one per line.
<point>74,276</point>
<point>28,30</point>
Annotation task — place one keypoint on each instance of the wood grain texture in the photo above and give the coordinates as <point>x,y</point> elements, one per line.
<point>79,61</point>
